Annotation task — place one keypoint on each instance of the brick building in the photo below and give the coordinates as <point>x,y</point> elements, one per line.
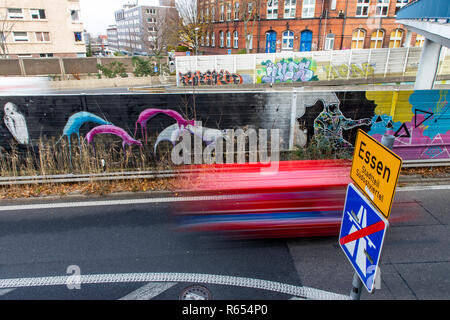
<point>302,25</point>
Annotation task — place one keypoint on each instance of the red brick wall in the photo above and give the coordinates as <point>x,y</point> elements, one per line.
<point>341,27</point>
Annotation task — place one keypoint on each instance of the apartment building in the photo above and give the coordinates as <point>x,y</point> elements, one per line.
<point>302,25</point>
<point>143,29</point>
<point>41,28</point>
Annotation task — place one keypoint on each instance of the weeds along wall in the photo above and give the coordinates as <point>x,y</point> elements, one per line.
<point>420,120</point>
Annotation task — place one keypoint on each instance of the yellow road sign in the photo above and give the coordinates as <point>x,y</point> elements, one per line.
<point>375,170</point>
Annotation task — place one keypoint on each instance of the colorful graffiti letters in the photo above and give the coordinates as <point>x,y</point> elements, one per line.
<point>288,70</point>
<point>210,78</point>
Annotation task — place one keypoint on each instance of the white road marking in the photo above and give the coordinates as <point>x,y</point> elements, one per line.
<point>149,291</point>
<point>76,204</point>
<point>297,291</point>
<point>424,188</point>
<point>6,291</point>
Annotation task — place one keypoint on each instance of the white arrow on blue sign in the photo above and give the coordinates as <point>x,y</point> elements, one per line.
<point>362,235</point>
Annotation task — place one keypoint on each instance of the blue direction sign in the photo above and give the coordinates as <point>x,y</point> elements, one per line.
<point>362,235</point>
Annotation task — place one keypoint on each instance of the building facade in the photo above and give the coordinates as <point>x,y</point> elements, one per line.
<point>141,29</point>
<point>302,25</point>
<point>41,28</point>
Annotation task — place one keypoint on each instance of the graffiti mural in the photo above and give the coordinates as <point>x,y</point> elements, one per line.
<point>103,129</point>
<point>16,123</point>
<point>420,123</point>
<point>344,71</point>
<point>287,70</point>
<point>331,123</point>
<point>210,78</point>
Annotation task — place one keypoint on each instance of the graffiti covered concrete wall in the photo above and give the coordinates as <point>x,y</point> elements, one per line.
<point>308,66</point>
<point>420,121</point>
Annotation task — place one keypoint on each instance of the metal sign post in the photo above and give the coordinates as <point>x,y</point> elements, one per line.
<point>357,284</point>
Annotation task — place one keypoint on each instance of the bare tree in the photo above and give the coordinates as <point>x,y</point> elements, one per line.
<point>6,27</point>
<point>192,26</point>
<point>249,13</point>
<point>162,33</point>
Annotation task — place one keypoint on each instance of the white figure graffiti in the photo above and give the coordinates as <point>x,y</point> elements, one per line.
<point>16,124</point>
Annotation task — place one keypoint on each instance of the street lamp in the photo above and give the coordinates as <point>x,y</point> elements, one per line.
<point>196,41</point>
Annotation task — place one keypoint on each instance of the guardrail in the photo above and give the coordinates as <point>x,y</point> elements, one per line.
<point>131,175</point>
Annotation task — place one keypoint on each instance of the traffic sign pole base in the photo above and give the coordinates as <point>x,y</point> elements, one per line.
<point>355,294</point>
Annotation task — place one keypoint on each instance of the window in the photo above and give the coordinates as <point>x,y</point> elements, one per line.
<point>46,55</point>
<point>396,39</point>
<point>228,11</point>
<point>207,39</point>
<point>2,37</point>
<point>289,8</point>
<point>208,18</point>
<point>236,10</point>
<point>400,4</point>
<point>42,36</point>
<point>376,41</point>
<point>235,39</point>
<point>329,41</point>
<point>150,11</point>
<point>309,6</point>
<point>213,40</point>
<point>78,36</point>
<point>14,13</point>
<point>213,14</point>
<point>288,40</point>
<point>221,39</point>
<point>382,8</point>
<point>362,8</point>
<point>358,39</point>
<point>333,5</point>
<point>202,41</point>
<point>75,15</point>
<point>272,9</point>
<point>228,39</point>
<point>420,40</point>
<point>222,13</point>
<point>20,36</point>
<point>37,14</point>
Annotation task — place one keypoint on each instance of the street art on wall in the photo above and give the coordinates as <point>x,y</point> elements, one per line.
<point>147,114</point>
<point>210,78</point>
<point>420,123</point>
<point>110,129</point>
<point>344,71</point>
<point>16,123</point>
<point>287,70</point>
<point>331,123</point>
<point>420,120</point>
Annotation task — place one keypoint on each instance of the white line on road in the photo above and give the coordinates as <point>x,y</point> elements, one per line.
<point>149,291</point>
<point>297,291</point>
<point>6,291</point>
<point>424,188</point>
<point>77,204</point>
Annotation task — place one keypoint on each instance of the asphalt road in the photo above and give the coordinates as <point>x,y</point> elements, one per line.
<point>138,255</point>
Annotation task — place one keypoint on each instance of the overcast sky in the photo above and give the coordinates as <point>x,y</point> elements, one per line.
<point>98,14</point>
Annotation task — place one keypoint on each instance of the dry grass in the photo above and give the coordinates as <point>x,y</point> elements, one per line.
<point>87,188</point>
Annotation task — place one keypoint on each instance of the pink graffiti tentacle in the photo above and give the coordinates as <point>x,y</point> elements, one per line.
<point>111,129</point>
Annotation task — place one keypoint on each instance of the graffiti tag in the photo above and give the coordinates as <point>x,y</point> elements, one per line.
<point>288,71</point>
<point>210,78</point>
<point>352,71</point>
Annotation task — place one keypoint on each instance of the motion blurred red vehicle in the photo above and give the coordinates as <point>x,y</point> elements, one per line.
<point>299,199</point>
